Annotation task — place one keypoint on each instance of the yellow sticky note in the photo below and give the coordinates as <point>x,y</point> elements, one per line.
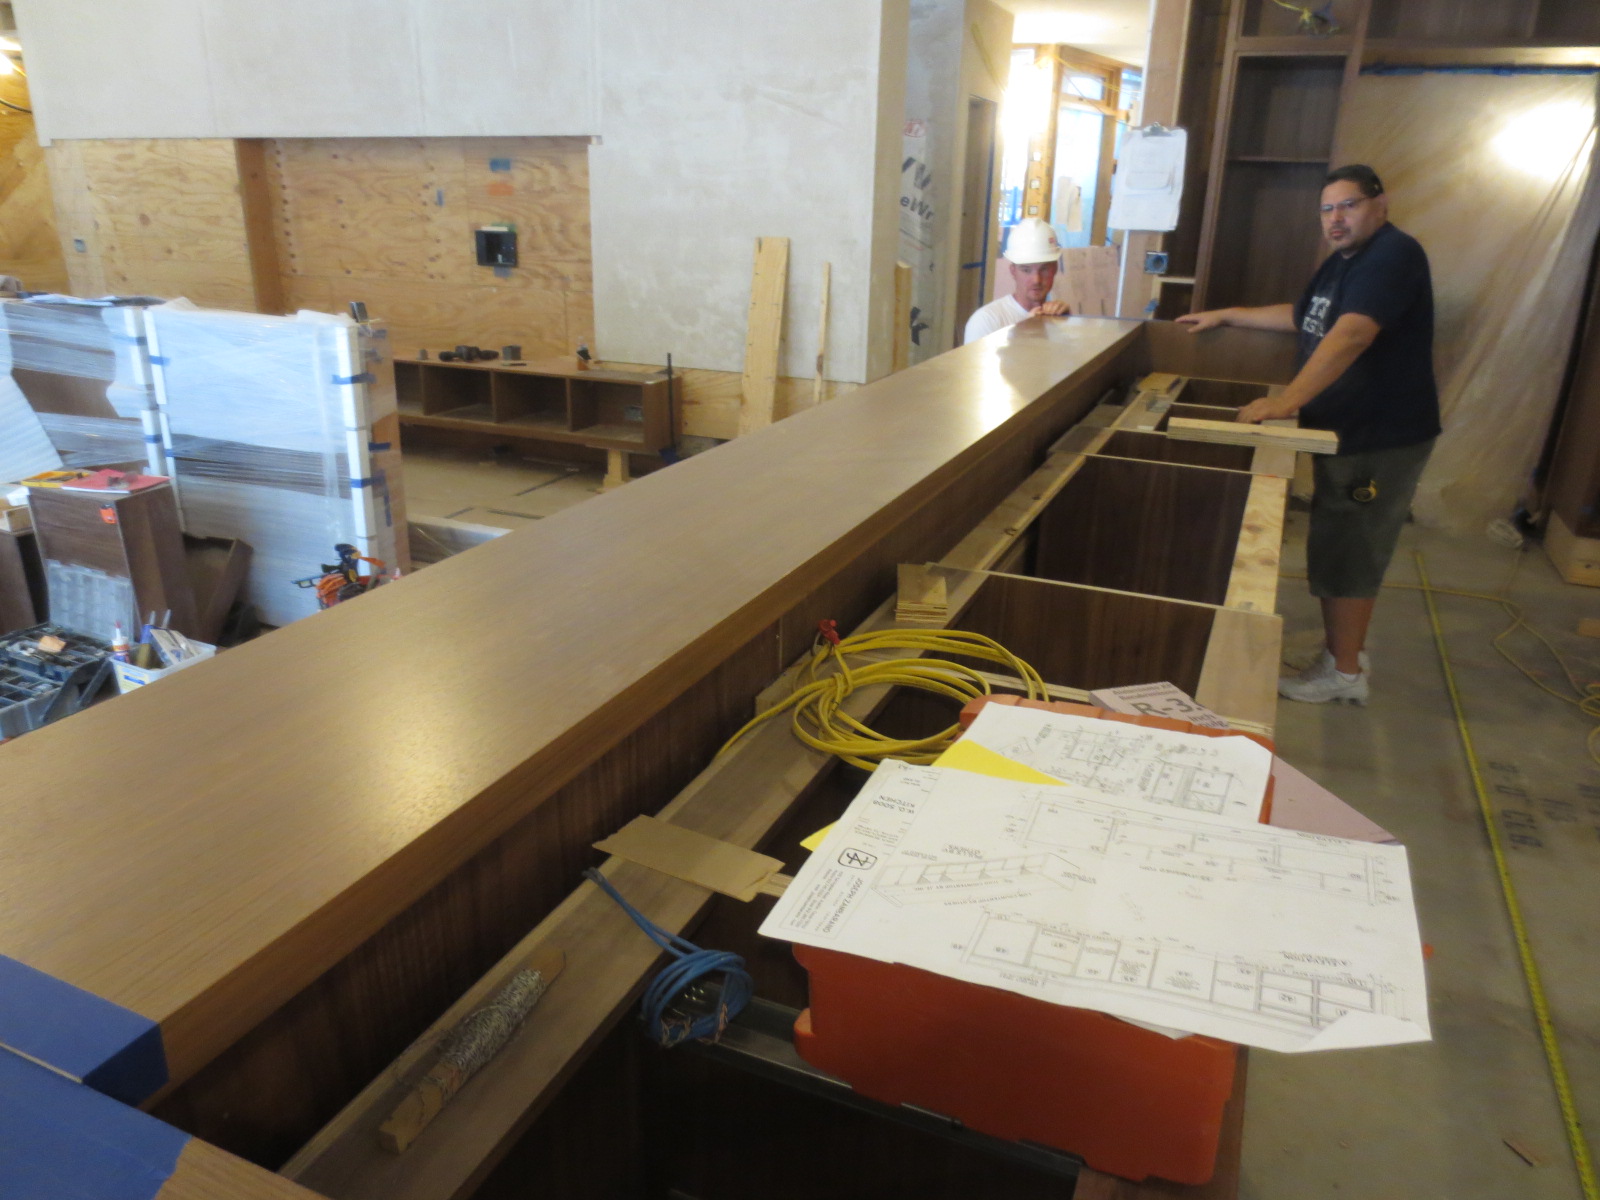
<point>967,756</point>
<point>980,760</point>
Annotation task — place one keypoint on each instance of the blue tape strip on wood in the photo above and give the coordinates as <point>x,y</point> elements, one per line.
<point>112,1049</point>
<point>61,1141</point>
<point>364,377</point>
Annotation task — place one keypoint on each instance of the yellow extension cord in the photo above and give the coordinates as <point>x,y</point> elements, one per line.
<point>1530,971</point>
<point>816,703</point>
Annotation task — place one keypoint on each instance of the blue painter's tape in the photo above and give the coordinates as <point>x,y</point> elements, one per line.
<point>377,447</point>
<point>499,164</point>
<point>364,377</point>
<point>61,1141</point>
<point>110,1048</point>
<point>438,197</point>
<point>123,339</point>
<point>160,360</point>
<point>153,439</point>
<point>360,483</point>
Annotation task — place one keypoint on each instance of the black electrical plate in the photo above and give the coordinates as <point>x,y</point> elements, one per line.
<point>497,247</point>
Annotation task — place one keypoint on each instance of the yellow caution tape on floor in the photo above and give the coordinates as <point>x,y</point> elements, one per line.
<point>1530,970</point>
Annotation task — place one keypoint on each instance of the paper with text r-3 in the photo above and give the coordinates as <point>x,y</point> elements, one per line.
<point>1267,937</point>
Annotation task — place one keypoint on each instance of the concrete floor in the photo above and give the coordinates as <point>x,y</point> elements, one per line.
<point>1431,1121</point>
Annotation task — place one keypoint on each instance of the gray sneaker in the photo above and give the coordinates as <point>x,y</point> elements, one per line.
<point>1320,683</point>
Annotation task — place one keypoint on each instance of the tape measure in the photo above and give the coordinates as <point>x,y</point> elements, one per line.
<point>1365,493</point>
<point>1530,970</point>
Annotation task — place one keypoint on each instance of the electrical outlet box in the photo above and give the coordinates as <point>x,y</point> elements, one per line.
<point>1155,262</point>
<point>497,246</point>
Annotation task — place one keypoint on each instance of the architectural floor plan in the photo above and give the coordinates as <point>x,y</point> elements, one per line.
<point>1263,936</point>
<point>1220,777</point>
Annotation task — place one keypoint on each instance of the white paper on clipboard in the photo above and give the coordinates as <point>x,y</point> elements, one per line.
<point>1148,184</point>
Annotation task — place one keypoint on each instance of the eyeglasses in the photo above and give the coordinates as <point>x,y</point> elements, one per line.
<point>1344,206</point>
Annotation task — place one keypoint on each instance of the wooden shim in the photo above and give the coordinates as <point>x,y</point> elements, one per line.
<point>1161,381</point>
<point>616,470</point>
<point>764,333</point>
<point>1576,558</point>
<point>1274,460</point>
<point>922,594</point>
<point>902,317</point>
<point>1234,433</point>
<point>1238,678</point>
<point>822,332</point>
<point>1253,581</point>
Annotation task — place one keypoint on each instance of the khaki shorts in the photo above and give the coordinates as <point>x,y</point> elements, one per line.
<point>1352,540</point>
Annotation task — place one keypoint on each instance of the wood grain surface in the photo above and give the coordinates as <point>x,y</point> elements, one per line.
<point>201,852</point>
<point>1151,527</point>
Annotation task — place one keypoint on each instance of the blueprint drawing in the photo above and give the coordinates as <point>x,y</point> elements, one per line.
<point>1268,937</point>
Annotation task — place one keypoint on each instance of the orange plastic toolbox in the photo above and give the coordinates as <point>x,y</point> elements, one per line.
<point>1129,1101</point>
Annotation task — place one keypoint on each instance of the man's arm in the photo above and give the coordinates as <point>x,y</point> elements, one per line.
<point>1340,346</point>
<point>1276,317</point>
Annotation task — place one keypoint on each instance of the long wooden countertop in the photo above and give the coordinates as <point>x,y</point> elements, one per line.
<point>200,851</point>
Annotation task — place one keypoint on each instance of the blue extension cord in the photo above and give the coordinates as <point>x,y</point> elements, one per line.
<point>692,965</point>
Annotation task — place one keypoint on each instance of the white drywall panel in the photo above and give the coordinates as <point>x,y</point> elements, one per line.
<point>95,69</point>
<point>491,66</point>
<point>310,68</point>
<point>721,126</point>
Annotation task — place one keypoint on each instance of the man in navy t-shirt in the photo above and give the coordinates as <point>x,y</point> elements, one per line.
<point>1366,372</point>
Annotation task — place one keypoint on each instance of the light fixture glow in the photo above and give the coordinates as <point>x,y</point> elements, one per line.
<point>6,66</point>
<point>1546,141</point>
<point>10,45</point>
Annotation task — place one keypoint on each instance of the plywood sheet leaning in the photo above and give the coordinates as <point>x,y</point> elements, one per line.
<point>764,334</point>
<point>1089,283</point>
<point>1234,433</point>
<point>822,333</point>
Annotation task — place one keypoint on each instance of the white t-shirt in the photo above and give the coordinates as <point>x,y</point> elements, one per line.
<point>993,317</point>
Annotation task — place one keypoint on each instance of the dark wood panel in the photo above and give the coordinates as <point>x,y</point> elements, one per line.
<point>1084,637</point>
<point>1572,21</point>
<point>1145,527</point>
<point>1267,235</point>
<point>1285,107</point>
<point>1572,485</point>
<point>1249,355</point>
<point>1219,393</point>
<point>1156,447</point>
<point>718,1133</point>
<point>21,582</point>
<point>1465,20</point>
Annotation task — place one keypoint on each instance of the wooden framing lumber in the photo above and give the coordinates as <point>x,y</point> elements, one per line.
<point>1253,582</point>
<point>1233,433</point>
<point>901,348</point>
<point>769,278</point>
<point>822,332</point>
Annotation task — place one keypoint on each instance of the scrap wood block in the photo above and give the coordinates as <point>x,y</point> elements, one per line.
<point>760,385</point>
<point>923,594</point>
<point>1234,433</point>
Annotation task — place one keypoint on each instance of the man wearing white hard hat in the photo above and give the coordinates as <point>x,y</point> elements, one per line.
<point>1033,255</point>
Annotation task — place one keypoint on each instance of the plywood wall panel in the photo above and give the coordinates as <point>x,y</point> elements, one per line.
<point>29,248</point>
<point>162,218</point>
<point>390,221</point>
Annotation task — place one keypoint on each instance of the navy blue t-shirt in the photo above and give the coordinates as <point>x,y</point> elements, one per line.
<point>1387,397</point>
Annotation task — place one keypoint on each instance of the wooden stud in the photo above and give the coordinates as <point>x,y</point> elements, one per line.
<point>258,197</point>
<point>822,333</point>
<point>1234,433</point>
<point>1240,672</point>
<point>616,470</point>
<point>1253,582</point>
<point>764,334</point>
<point>902,317</point>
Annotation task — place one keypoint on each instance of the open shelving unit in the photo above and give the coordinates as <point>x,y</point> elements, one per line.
<point>624,411</point>
<point>1277,116</point>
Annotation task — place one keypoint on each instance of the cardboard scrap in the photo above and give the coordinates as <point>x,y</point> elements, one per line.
<point>692,857</point>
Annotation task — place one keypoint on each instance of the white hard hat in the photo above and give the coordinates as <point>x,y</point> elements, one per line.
<point>1032,241</point>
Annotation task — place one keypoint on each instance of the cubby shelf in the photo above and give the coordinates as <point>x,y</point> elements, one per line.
<point>608,410</point>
